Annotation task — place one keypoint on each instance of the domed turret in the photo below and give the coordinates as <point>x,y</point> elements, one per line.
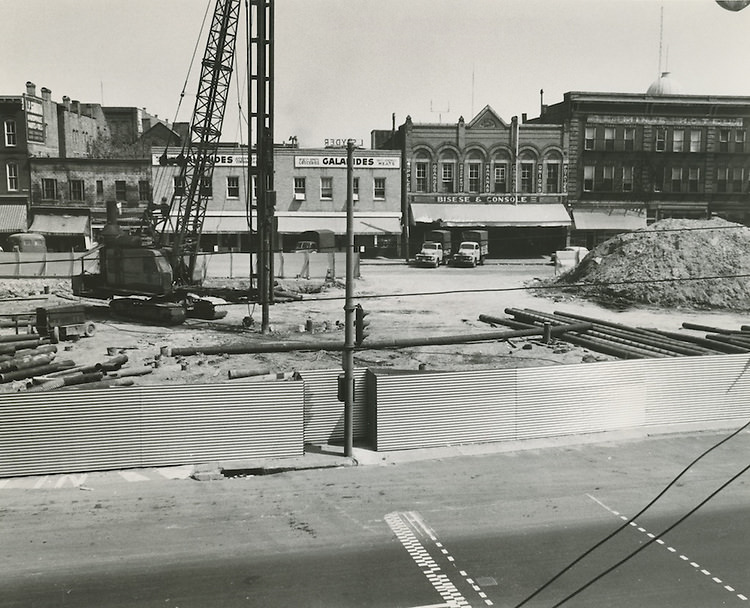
<point>665,85</point>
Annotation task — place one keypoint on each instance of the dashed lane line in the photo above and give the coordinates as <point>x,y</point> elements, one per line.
<point>671,549</point>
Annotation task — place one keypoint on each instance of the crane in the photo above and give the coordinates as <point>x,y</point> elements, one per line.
<point>152,275</point>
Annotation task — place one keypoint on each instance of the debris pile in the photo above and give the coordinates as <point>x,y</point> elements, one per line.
<point>702,264</point>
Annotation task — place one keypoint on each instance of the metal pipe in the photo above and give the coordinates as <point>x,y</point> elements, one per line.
<point>35,371</point>
<point>246,373</point>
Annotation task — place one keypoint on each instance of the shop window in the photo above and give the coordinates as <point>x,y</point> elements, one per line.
<point>76,190</point>
<point>179,185</point>
<point>694,178</point>
<point>447,175</point>
<point>144,190</point>
<point>695,141</point>
<point>379,188</point>
<point>589,138</point>
<point>11,174</point>
<point>588,178</point>
<point>678,140</point>
<point>475,180</point>
<point>120,190</point>
<point>676,179</point>
<point>233,186</point>
<point>629,136</point>
<point>49,189</point>
<point>627,179</point>
<point>11,139</point>
<point>609,138</point>
<point>326,188</point>
<point>420,174</point>
<point>299,189</point>
<point>500,184</point>
<point>552,183</point>
<point>661,139</point>
<point>608,181</point>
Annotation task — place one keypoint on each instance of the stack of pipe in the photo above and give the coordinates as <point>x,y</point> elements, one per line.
<point>618,340</point>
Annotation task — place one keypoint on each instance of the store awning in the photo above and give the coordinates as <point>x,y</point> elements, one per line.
<point>495,215</point>
<point>61,225</point>
<point>225,224</point>
<point>383,223</point>
<point>609,219</point>
<point>13,217</point>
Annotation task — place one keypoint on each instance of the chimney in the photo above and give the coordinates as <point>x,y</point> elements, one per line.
<point>523,117</point>
<point>542,107</point>
<point>66,102</point>
<point>30,88</point>
<point>46,94</point>
<point>76,106</point>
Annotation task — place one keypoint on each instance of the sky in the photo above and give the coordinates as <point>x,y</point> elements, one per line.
<point>345,67</point>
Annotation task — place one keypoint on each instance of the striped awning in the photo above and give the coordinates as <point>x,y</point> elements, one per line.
<point>60,224</point>
<point>13,217</point>
<point>609,219</point>
<point>491,215</point>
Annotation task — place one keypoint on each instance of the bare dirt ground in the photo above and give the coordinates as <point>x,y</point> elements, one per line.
<point>402,301</point>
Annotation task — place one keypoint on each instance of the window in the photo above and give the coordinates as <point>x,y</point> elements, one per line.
<point>299,189</point>
<point>76,190</point>
<point>676,179</point>
<point>724,140</point>
<point>658,180</point>
<point>694,177</point>
<point>527,177</point>
<point>11,173</point>
<point>326,188</point>
<point>179,186</point>
<point>120,190</point>
<point>661,139</point>
<point>588,178</point>
<point>474,176</point>
<point>678,140</point>
<point>254,186</point>
<point>144,190</point>
<point>629,139</point>
<point>10,133</point>
<point>207,188</point>
<point>695,141</point>
<point>609,138</point>
<point>589,138</point>
<point>420,171</point>
<point>739,140</point>
<point>627,179</point>
<point>49,189</point>
<point>379,187</point>
<point>722,178</point>
<point>447,173</point>
<point>737,173</point>
<point>501,176</point>
<point>355,188</point>
<point>233,186</point>
<point>553,177</point>
<point>99,188</point>
<point>608,183</point>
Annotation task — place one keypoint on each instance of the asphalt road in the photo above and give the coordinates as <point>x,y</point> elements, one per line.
<point>463,531</point>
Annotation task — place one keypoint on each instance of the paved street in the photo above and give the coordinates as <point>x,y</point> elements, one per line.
<point>481,530</point>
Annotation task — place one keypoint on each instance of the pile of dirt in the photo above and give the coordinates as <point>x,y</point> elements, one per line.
<point>702,264</point>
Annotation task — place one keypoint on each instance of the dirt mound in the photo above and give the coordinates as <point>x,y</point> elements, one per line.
<point>678,263</point>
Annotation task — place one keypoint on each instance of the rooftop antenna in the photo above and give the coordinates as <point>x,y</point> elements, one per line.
<point>661,38</point>
<point>439,112</point>
<point>472,89</point>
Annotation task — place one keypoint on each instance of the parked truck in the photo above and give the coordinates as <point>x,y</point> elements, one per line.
<point>436,249</point>
<point>473,249</point>
<point>316,241</point>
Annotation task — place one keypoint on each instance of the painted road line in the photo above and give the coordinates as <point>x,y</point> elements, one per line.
<point>695,565</point>
<point>132,476</point>
<point>75,480</point>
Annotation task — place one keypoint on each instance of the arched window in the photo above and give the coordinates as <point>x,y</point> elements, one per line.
<point>421,181</point>
<point>447,176</point>
<point>500,173</point>
<point>474,172</point>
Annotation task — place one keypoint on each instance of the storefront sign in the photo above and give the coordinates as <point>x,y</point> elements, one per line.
<point>665,120</point>
<point>34,119</point>
<point>334,162</point>
<point>218,160</point>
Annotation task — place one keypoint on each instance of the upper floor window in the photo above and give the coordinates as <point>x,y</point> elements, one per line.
<point>694,178</point>
<point>500,184</point>
<point>144,190</point>
<point>658,180</point>
<point>724,140</point>
<point>678,140</point>
<point>695,141</point>
<point>552,183</point>
<point>475,179</point>
<point>120,190</point>
<point>11,138</point>
<point>99,188</point>
<point>420,172</point>
<point>629,136</point>
<point>608,183</point>
<point>355,188</point>
<point>589,138</point>
<point>447,175</point>
<point>11,173</point>
<point>722,179</point>
<point>676,179</point>
<point>179,185</point>
<point>379,187</point>
<point>233,186</point>
<point>627,179</point>
<point>77,190</point>
<point>739,140</point>
<point>207,187</point>
<point>588,178</point>
<point>609,138</point>
<point>527,177</point>
<point>49,189</point>
<point>299,188</point>
<point>661,139</point>
<point>326,188</point>
<point>737,174</point>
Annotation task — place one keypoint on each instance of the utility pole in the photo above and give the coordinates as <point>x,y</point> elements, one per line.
<point>348,356</point>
